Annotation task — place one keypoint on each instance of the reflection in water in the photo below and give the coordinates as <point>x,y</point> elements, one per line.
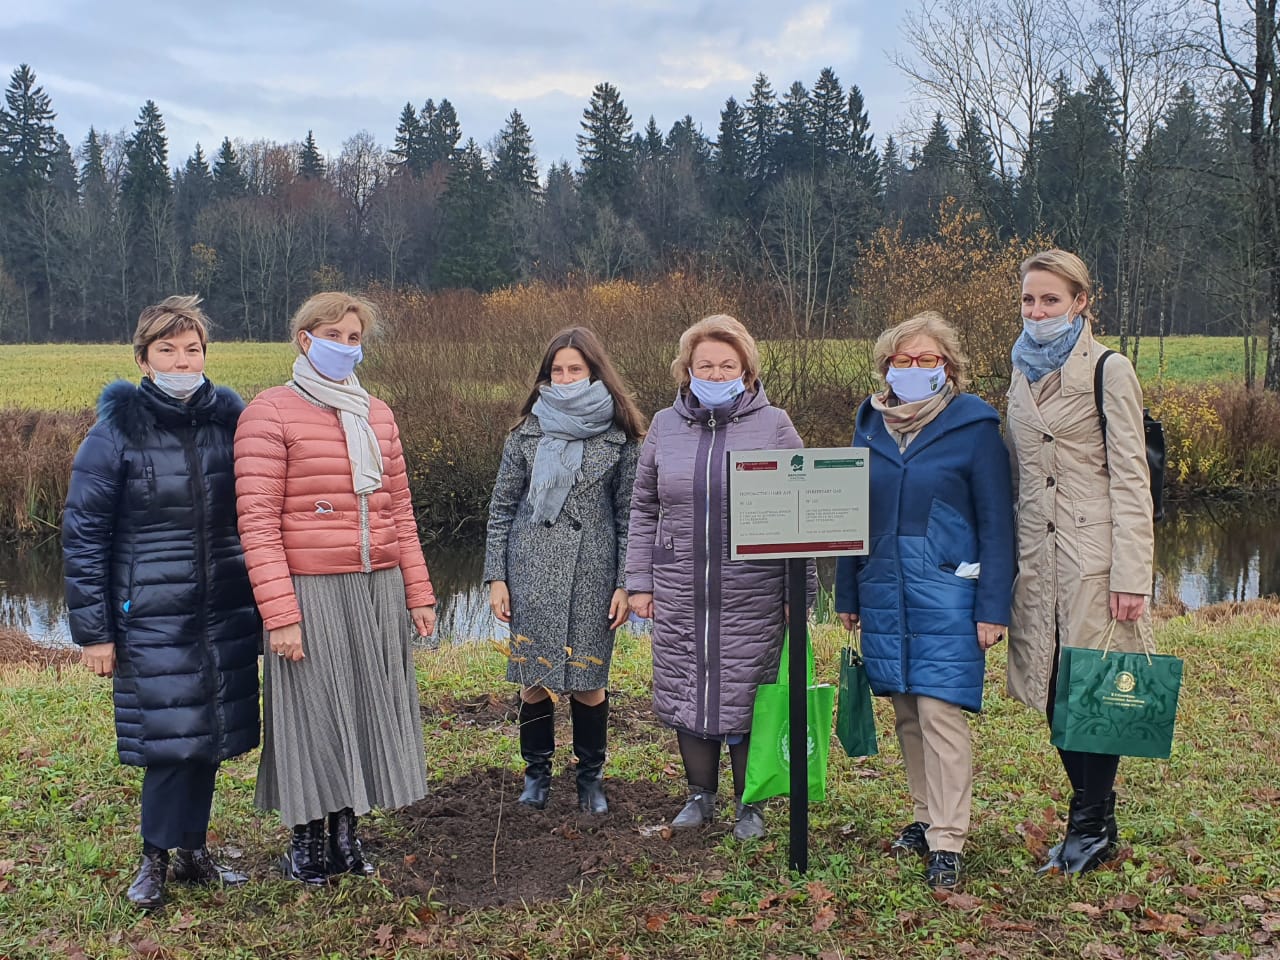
<point>1216,551</point>
<point>1205,553</point>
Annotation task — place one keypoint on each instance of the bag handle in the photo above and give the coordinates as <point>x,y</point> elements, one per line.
<point>1109,635</point>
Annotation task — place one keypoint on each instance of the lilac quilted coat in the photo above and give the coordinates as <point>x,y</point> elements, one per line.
<point>717,625</point>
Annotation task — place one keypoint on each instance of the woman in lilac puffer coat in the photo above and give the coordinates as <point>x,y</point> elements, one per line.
<point>717,625</point>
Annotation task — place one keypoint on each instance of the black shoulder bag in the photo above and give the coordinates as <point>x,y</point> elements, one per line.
<point>1153,431</point>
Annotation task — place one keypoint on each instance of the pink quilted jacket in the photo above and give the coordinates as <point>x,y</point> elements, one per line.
<point>297,507</point>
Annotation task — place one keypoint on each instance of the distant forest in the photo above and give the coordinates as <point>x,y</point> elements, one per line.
<point>1133,133</point>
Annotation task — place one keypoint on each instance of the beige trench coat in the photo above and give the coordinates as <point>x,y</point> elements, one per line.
<point>1084,523</point>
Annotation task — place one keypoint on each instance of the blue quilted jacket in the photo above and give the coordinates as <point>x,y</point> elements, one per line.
<point>945,501</point>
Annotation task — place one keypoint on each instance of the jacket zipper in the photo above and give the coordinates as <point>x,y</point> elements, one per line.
<point>706,582</point>
<point>200,509</point>
<point>366,563</point>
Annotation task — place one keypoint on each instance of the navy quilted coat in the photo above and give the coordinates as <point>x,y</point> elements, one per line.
<point>717,625</point>
<point>947,500</point>
<point>153,564</point>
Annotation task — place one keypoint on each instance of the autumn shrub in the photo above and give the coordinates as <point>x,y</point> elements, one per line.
<point>36,467</point>
<point>965,272</point>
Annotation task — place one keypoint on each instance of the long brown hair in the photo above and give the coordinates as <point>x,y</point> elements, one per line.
<point>626,414</point>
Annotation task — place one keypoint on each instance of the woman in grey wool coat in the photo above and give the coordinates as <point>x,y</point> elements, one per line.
<point>555,553</point>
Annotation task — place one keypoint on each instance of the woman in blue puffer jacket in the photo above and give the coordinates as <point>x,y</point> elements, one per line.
<point>933,594</point>
<point>157,590</point>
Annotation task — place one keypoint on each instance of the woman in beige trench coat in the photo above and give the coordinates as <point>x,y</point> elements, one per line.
<point>1084,522</point>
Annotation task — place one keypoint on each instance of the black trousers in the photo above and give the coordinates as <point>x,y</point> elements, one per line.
<point>176,799</point>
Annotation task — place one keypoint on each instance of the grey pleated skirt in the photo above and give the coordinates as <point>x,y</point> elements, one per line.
<point>341,726</point>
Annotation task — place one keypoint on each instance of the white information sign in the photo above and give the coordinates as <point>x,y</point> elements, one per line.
<point>798,503</point>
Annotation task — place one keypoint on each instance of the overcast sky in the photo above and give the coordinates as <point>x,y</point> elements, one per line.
<point>271,69</point>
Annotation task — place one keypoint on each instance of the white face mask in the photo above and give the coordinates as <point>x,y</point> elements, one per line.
<point>715,393</point>
<point>910,384</point>
<point>1049,329</point>
<point>180,386</point>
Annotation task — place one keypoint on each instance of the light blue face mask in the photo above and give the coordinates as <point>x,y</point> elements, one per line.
<point>714,394</point>
<point>565,391</point>
<point>910,384</point>
<point>1049,329</point>
<point>180,386</point>
<point>334,360</point>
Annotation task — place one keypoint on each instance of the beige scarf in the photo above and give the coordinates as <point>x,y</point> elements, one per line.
<point>352,403</point>
<point>905,420</point>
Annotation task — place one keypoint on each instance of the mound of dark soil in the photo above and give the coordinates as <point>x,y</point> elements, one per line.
<point>471,845</point>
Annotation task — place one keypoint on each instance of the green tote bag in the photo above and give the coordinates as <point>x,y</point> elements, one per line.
<point>855,719</point>
<point>1122,704</point>
<point>769,752</point>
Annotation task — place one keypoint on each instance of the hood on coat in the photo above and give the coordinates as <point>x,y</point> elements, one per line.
<point>963,410</point>
<point>135,410</point>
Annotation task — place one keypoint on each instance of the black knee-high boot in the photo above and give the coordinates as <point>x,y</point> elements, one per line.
<point>537,747</point>
<point>590,735</point>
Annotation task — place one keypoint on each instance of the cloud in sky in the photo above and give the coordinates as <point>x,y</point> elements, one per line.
<point>272,69</point>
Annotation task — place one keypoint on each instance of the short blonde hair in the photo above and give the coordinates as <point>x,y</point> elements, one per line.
<point>721,328</point>
<point>1067,266</point>
<point>170,316</point>
<point>930,324</point>
<point>331,308</point>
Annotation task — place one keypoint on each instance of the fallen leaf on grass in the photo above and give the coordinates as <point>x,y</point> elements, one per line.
<point>183,921</point>
<point>1088,909</point>
<point>957,901</point>
<point>655,922</point>
<point>1256,904</point>
<point>709,896</point>
<point>767,901</point>
<point>385,935</point>
<point>1271,922</point>
<point>825,917</point>
<point>148,948</point>
<point>1219,929</point>
<point>819,893</point>
<point>1103,951</point>
<point>1154,922</point>
<point>1191,891</point>
<point>1122,903</point>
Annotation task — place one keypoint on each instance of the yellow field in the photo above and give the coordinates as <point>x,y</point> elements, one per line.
<point>69,376</point>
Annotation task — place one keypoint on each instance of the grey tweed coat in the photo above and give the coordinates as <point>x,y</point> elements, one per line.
<point>561,576</point>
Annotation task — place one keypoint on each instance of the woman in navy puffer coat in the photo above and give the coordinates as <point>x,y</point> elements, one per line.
<point>934,592</point>
<point>157,589</point>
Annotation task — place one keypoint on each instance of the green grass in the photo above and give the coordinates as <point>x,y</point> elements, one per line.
<point>69,376</point>
<point>1203,877</point>
<point>1192,359</point>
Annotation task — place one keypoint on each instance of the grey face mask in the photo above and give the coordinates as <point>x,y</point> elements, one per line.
<point>180,386</point>
<point>1049,329</point>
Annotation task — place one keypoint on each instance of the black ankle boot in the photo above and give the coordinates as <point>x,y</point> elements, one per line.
<point>1113,829</point>
<point>537,747</point>
<point>198,866</point>
<point>147,889</point>
<point>1088,844</point>
<point>306,854</point>
<point>590,734</point>
<point>1055,861</point>
<point>345,855</point>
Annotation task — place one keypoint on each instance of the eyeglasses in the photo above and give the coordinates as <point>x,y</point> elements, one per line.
<point>927,360</point>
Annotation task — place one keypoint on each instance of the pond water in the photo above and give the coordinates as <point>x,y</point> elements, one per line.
<point>1205,553</point>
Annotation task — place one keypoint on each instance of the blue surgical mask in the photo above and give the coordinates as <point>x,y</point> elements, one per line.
<point>334,360</point>
<point>1049,329</point>
<point>910,384</point>
<point>180,386</point>
<point>716,393</point>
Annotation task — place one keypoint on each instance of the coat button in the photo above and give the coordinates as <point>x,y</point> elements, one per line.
<point>576,525</point>
<point>546,523</point>
<point>1049,481</point>
<point>1052,527</point>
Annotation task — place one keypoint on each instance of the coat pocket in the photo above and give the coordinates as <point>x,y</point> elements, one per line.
<point>1093,535</point>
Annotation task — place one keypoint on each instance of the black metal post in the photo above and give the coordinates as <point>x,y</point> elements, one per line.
<point>798,678</point>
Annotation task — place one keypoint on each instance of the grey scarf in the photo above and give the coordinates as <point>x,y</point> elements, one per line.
<point>567,419</point>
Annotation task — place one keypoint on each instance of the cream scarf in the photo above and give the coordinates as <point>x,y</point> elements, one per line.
<point>352,403</point>
<point>905,420</point>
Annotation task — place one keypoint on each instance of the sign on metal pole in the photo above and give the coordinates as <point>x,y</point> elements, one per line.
<point>793,505</point>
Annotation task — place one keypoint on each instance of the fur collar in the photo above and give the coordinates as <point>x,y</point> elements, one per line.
<point>136,410</point>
